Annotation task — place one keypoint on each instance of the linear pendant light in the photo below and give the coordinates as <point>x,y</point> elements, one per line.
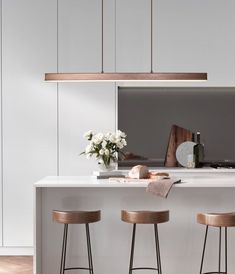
<point>115,76</point>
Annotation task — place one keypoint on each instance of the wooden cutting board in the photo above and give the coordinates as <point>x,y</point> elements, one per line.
<point>130,180</point>
<point>178,135</point>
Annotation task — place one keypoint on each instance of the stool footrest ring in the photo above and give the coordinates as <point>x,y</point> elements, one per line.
<point>74,268</point>
<point>143,268</point>
<point>215,272</point>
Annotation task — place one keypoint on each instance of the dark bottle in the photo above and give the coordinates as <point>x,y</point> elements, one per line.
<point>193,137</point>
<point>198,152</point>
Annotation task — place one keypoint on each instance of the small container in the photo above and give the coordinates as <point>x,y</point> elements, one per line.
<point>191,161</point>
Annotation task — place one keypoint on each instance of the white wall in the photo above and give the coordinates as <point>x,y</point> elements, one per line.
<point>194,36</point>
<point>86,106</point>
<point>29,111</point>
<point>197,36</point>
<point>133,35</point>
<point>82,107</point>
<point>43,126</point>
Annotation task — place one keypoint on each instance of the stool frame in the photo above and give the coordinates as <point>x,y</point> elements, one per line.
<point>220,247</point>
<point>158,257</point>
<point>63,267</point>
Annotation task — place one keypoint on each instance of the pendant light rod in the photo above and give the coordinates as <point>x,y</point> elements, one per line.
<point>113,77</point>
<point>151,29</point>
<point>102,36</point>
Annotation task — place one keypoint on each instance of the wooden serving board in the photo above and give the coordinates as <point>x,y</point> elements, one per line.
<point>130,180</point>
<point>178,135</point>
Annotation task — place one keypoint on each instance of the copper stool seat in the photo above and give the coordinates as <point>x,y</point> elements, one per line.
<point>76,217</point>
<point>145,217</point>
<point>217,220</point>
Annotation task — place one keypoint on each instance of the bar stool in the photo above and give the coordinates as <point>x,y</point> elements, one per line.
<point>76,217</point>
<point>145,217</point>
<point>216,220</point>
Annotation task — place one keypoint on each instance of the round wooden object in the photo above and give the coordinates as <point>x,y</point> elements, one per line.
<point>76,217</point>
<point>145,217</point>
<point>217,219</point>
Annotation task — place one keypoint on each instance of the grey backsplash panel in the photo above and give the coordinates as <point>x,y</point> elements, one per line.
<point>147,114</point>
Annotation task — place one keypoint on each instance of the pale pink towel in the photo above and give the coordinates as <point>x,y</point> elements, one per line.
<point>162,187</point>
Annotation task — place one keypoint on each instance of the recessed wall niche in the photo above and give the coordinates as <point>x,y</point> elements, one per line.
<point>147,114</point>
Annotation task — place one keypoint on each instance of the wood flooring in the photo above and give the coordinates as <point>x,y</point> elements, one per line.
<point>16,264</point>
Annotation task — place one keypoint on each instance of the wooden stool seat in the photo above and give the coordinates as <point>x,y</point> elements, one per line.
<point>221,221</point>
<point>217,219</point>
<point>76,217</point>
<point>145,217</point>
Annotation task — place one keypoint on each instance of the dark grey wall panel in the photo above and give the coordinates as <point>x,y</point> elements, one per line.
<point>146,115</point>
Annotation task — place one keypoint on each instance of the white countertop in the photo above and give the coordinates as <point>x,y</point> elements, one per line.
<point>189,177</point>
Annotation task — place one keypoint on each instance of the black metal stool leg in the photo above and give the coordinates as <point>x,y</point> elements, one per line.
<point>65,245</point>
<point>226,251</point>
<point>62,253</point>
<point>203,252</point>
<point>89,249</point>
<point>159,267</point>
<point>132,249</point>
<point>219,250</point>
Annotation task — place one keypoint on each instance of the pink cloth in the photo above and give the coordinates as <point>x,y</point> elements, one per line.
<point>162,187</point>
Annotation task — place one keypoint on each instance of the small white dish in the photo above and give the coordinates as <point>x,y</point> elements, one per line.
<point>184,153</point>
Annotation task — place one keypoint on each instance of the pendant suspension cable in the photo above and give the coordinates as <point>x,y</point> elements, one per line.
<point>102,36</point>
<point>114,76</point>
<point>151,30</point>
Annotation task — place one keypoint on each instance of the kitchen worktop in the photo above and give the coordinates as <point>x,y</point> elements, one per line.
<point>207,177</point>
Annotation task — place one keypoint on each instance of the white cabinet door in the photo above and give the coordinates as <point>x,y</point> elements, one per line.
<point>195,36</point>
<point>29,111</point>
<point>82,106</point>
<point>133,43</point>
<point>109,35</point>
<point>79,31</point>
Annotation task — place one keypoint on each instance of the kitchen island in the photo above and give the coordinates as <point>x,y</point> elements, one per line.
<point>181,239</point>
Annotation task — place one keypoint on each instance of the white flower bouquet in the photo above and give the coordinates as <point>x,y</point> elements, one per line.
<point>105,147</point>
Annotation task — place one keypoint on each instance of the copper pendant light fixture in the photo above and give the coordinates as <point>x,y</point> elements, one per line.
<point>116,76</point>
